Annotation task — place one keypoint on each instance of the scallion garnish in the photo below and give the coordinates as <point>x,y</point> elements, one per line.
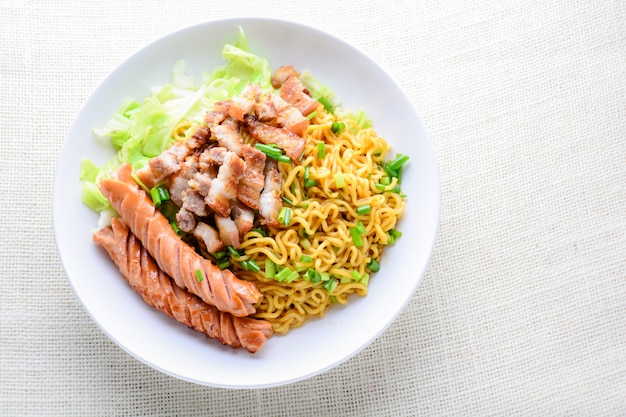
<point>159,195</point>
<point>284,216</point>
<point>340,180</point>
<point>308,182</point>
<point>176,228</point>
<point>321,150</point>
<point>288,201</point>
<point>199,276</point>
<point>364,209</point>
<point>251,265</point>
<point>270,269</point>
<point>338,127</point>
<point>282,274</point>
<point>273,152</point>
<point>355,275</point>
<point>329,107</point>
<point>234,252</point>
<point>223,263</point>
<point>365,279</point>
<point>306,259</point>
<point>311,115</point>
<point>268,149</point>
<point>312,275</point>
<point>330,285</point>
<point>393,236</point>
<point>356,237</point>
<point>219,255</point>
<point>394,168</point>
<point>397,163</point>
<point>373,265</point>
<point>292,276</point>
<point>360,227</point>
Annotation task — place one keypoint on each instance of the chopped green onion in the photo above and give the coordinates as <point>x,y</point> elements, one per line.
<point>219,255</point>
<point>306,259</point>
<point>355,275</point>
<point>393,236</point>
<point>273,152</point>
<point>176,228</point>
<point>234,252</point>
<point>291,277</point>
<point>312,275</point>
<point>365,279</point>
<point>385,180</point>
<point>364,209</point>
<point>288,201</point>
<point>284,216</point>
<point>321,150</point>
<point>373,265</point>
<point>283,158</point>
<point>330,285</point>
<point>311,115</point>
<point>329,107</point>
<point>391,172</point>
<point>324,276</point>
<point>340,180</point>
<point>268,149</point>
<point>251,265</point>
<point>199,276</point>
<point>397,163</point>
<point>310,183</point>
<point>333,299</point>
<point>283,274</point>
<point>223,264</point>
<point>305,243</point>
<point>356,237</point>
<point>337,127</point>
<point>361,228</point>
<point>159,195</point>
<point>270,269</point>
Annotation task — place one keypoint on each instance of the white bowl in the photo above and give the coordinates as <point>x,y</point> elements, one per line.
<point>319,345</point>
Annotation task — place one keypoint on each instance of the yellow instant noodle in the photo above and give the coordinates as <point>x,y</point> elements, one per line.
<point>321,219</point>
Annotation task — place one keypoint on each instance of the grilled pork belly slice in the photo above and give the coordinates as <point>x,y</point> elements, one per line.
<point>169,161</point>
<point>292,144</point>
<point>295,93</point>
<point>253,179</point>
<point>270,202</point>
<point>271,108</point>
<point>156,288</point>
<point>243,217</point>
<point>220,288</point>
<point>224,187</point>
<point>208,236</point>
<point>281,74</point>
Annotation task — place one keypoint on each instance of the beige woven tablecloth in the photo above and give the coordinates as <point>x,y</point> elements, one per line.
<point>523,308</point>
